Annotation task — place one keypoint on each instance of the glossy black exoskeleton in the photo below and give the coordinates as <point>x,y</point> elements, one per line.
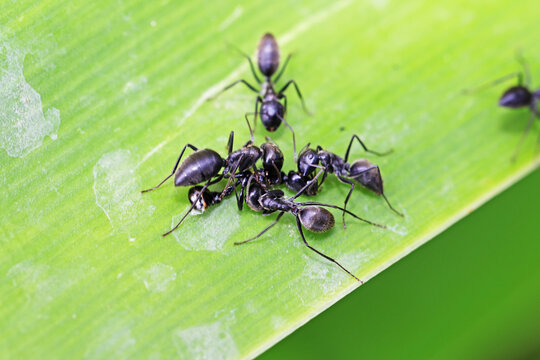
<point>204,197</point>
<point>311,215</point>
<point>272,111</point>
<point>361,171</point>
<point>207,166</point>
<point>519,96</point>
<point>267,176</point>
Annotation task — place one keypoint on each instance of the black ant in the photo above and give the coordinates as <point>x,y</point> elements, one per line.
<point>361,171</point>
<point>311,215</point>
<point>519,96</point>
<point>269,175</point>
<point>205,165</point>
<point>272,111</point>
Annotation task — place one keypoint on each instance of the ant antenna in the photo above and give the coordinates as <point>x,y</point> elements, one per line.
<point>249,125</point>
<point>498,81</point>
<point>526,72</point>
<point>293,136</point>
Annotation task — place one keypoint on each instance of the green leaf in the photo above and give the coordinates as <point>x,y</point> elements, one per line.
<point>97,99</point>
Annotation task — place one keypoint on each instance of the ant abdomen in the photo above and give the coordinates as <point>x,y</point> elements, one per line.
<point>369,178</point>
<point>316,219</point>
<point>268,55</point>
<point>198,167</point>
<point>516,97</point>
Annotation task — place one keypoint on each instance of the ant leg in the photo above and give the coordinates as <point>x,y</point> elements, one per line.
<point>210,182</point>
<point>231,176</point>
<point>390,206</point>
<point>342,209</point>
<point>365,148</point>
<point>262,232</point>
<point>346,181</point>
<point>304,148</point>
<point>282,68</point>
<point>309,183</point>
<point>537,144</point>
<point>299,225</point>
<point>526,71</point>
<point>248,59</point>
<point>280,93</point>
<point>293,136</point>
<point>270,140</point>
<point>230,142</point>
<point>249,126</point>
<point>382,193</point>
<point>519,76</point>
<point>257,102</point>
<point>174,168</point>
<point>529,124</point>
<point>251,87</point>
<point>239,199</point>
<point>251,67</point>
<point>323,178</point>
<point>280,178</point>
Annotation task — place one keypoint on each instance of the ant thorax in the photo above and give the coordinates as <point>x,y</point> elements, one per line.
<point>267,89</point>
<point>332,162</point>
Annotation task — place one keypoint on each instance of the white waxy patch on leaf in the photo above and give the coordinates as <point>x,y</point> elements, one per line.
<point>218,224</point>
<point>114,340</point>
<point>210,341</point>
<point>156,277</point>
<point>23,123</point>
<point>41,285</point>
<point>117,189</point>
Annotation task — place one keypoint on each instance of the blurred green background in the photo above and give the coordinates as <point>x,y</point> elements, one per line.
<point>473,292</point>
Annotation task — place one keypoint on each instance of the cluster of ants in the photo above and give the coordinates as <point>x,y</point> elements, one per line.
<point>256,186</point>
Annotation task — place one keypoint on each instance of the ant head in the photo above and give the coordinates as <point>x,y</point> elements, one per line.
<point>316,219</point>
<point>202,201</point>
<point>253,195</point>
<point>325,157</point>
<point>272,157</point>
<point>367,174</point>
<point>306,160</point>
<point>242,159</point>
<point>268,55</point>
<point>516,97</point>
<point>271,114</point>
